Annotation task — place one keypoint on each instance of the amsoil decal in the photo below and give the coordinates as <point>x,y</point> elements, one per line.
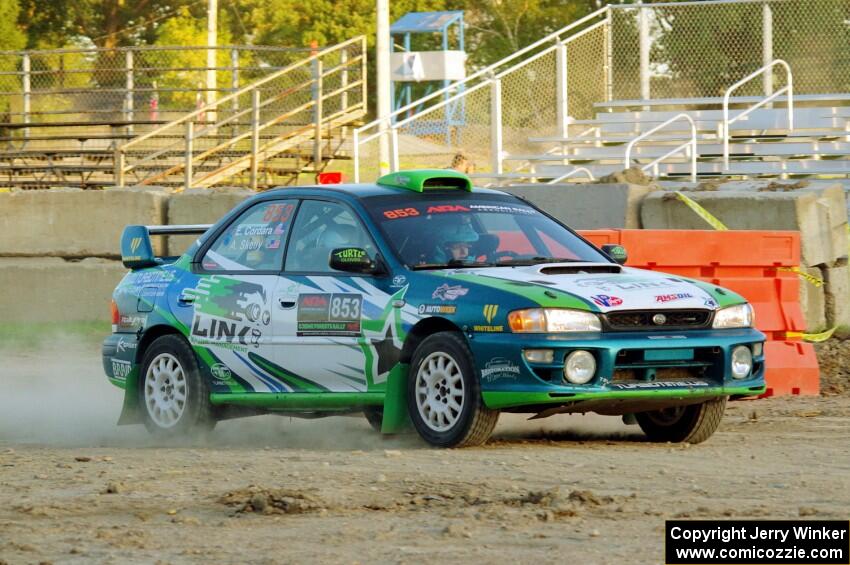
<point>607,301</point>
<point>449,292</point>
<point>672,297</point>
<point>329,314</point>
<point>499,368</point>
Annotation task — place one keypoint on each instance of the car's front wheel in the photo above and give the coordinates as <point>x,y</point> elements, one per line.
<point>443,394</point>
<point>175,398</point>
<point>693,424</point>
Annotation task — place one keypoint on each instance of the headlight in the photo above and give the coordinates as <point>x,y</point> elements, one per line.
<point>740,316</point>
<point>580,367</point>
<point>552,320</point>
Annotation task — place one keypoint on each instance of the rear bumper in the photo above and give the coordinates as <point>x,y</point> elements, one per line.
<point>118,353</point>
<point>508,381</point>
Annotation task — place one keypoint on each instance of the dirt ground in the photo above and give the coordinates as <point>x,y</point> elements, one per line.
<point>74,488</point>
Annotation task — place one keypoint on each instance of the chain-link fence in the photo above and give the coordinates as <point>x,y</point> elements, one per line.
<point>698,49</point>
<point>126,84</point>
<point>491,116</point>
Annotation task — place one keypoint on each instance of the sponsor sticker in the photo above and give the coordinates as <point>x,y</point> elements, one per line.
<point>673,297</point>
<point>499,368</point>
<point>221,372</point>
<point>449,292</point>
<point>437,308</point>
<point>132,320</point>
<point>329,314</point>
<point>658,384</point>
<point>121,369</point>
<point>123,345</point>
<point>399,281</point>
<point>607,301</point>
<point>490,311</point>
<point>488,329</point>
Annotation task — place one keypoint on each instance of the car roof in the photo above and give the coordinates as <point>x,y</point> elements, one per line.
<point>362,190</point>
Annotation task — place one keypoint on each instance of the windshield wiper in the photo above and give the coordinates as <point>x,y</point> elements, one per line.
<point>452,264</point>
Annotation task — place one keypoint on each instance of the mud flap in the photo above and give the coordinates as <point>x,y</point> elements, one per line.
<point>130,413</point>
<point>396,419</point>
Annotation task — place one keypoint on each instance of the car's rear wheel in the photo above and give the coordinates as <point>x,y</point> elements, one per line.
<point>693,424</point>
<point>375,417</point>
<point>444,396</point>
<point>175,399</point>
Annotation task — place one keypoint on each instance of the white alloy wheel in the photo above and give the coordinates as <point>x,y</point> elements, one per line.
<point>165,390</point>
<point>439,391</point>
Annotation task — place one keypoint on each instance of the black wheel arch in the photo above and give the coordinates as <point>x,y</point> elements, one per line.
<point>423,329</point>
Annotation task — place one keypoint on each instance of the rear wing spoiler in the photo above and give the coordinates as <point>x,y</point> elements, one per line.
<point>136,247</point>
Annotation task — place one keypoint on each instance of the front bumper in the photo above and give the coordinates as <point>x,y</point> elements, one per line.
<point>627,378</point>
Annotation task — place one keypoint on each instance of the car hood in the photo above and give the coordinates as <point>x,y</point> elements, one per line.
<point>605,286</point>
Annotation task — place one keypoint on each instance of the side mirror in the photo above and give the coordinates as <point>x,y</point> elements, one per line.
<point>616,252</point>
<point>351,260</point>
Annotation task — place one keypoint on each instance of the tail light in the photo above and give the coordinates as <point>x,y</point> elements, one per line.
<point>116,316</point>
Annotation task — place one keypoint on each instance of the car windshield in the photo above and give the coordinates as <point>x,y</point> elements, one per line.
<point>437,231</point>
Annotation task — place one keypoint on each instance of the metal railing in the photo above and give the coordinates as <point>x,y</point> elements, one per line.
<point>287,114</point>
<point>572,173</point>
<point>446,99</point>
<point>144,83</point>
<point>766,70</point>
<point>690,146</point>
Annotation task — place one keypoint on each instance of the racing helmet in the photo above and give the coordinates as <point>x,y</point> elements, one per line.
<point>453,234</point>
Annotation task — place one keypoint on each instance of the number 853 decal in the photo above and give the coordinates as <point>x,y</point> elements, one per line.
<point>329,314</point>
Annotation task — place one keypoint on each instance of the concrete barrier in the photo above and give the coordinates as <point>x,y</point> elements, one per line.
<point>813,302</point>
<point>200,206</point>
<point>837,295</point>
<point>588,206</point>
<point>818,213</point>
<point>55,290</point>
<point>74,223</point>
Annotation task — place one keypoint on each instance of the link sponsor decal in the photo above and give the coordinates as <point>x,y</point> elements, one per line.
<point>490,311</point>
<point>449,292</point>
<point>607,301</point>
<point>437,308</point>
<point>659,384</point>
<point>121,369</point>
<point>329,314</point>
<point>229,313</point>
<point>673,297</point>
<point>499,368</point>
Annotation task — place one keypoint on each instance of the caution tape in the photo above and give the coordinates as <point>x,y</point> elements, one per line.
<point>702,212</point>
<point>812,338</point>
<point>803,275</point>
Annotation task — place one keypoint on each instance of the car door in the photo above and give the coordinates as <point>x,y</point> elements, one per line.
<point>335,327</point>
<point>232,298</point>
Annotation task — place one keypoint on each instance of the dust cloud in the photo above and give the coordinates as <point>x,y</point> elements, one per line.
<point>57,394</point>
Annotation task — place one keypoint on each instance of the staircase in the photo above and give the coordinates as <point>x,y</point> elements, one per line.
<point>293,119</point>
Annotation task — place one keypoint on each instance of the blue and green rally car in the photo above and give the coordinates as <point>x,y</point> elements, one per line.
<point>423,300</point>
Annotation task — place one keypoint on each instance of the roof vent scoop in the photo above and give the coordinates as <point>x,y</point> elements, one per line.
<point>421,180</point>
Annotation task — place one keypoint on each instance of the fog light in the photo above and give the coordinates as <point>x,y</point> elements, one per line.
<point>757,349</point>
<point>742,362</point>
<point>580,367</point>
<point>539,355</point>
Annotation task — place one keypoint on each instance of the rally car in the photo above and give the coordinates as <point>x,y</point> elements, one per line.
<point>418,300</point>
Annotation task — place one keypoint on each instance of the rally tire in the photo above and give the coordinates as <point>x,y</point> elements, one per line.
<point>375,417</point>
<point>692,424</point>
<point>174,399</point>
<point>473,423</point>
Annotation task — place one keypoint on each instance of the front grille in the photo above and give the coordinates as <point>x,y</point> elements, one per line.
<point>661,374</point>
<point>643,320</point>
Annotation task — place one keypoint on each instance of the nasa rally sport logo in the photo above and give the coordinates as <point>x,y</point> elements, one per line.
<point>607,301</point>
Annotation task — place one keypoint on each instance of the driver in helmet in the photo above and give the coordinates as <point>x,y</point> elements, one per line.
<point>455,243</point>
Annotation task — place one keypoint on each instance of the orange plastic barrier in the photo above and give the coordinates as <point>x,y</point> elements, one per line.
<point>746,262</point>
